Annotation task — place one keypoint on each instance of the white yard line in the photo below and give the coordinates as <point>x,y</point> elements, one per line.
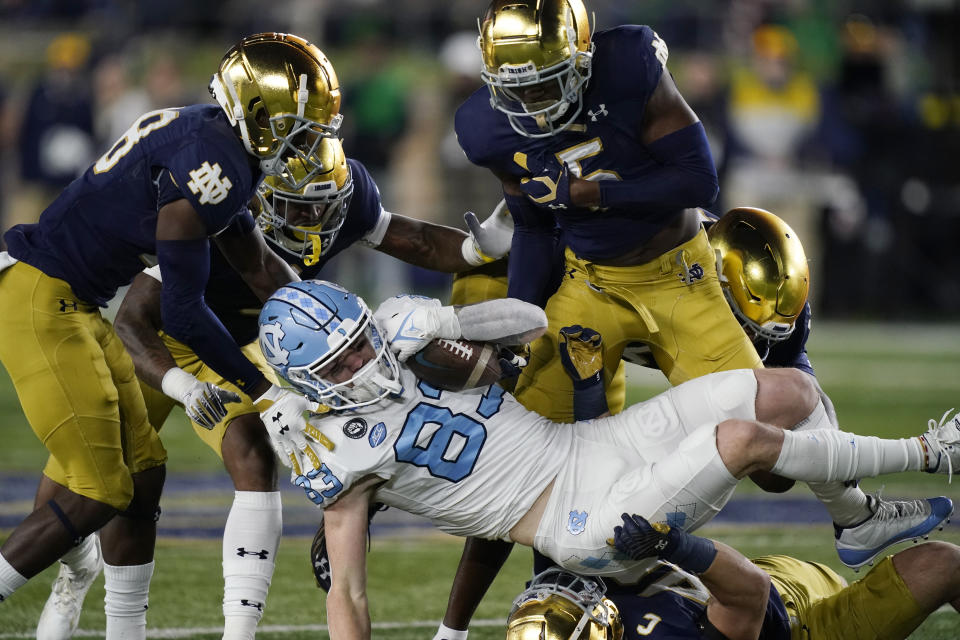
<point>188,632</point>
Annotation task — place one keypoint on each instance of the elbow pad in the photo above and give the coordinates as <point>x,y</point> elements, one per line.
<point>504,321</point>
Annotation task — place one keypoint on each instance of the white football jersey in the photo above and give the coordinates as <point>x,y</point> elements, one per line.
<point>472,461</point>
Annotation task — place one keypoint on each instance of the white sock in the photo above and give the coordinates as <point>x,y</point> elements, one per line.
<point>75,557</point>
<point>126,600</point>
<point>829,456</point>
<point>847,505</point>
<point>250,540</point>
<point>10,579</point>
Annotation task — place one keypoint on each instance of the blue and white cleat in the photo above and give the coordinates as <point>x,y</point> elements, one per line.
<point>893,521</point>
<point>941,445</point>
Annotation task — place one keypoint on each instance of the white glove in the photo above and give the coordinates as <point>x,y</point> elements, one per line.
<point>446,633</point>
<point>281,411</point>
<point>203,401</point>
<point>410,322</point>
<point>490,240</point>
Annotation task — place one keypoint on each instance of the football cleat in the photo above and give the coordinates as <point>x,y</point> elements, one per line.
<point>893,521</point>
<point>61,613</point>
<point>941,444</point>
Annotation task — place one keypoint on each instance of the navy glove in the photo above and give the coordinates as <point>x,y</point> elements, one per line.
<point>581,353</point>
<point>550,187</point>
<point>639,539</point>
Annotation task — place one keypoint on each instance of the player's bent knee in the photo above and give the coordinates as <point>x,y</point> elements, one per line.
<point>737,442</point>
<point>785,396</point>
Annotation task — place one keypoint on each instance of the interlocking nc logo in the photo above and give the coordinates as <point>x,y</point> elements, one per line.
<point>602,111</point>
<point>68,303</point>
<point>206,181</point>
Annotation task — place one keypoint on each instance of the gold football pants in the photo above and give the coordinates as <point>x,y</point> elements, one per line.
<point>879,606</point>
<point>674,304</point>
<point>77,387</point>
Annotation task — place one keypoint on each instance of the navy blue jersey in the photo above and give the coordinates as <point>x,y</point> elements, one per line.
<point>792,352</point>
<point>94,234</point>
<point>603,143</point>
<point>238,307</point>
<point>667,603</point>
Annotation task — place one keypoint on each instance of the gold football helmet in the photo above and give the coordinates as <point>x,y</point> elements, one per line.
<point>537,58</point>
<point>559,605</point>
<point>283,96</point>
<point>763,271</point>
<point>303,222</point>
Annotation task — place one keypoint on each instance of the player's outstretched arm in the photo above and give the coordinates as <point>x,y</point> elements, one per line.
<point>138,323</point>
<point>410,322</point>
<point>739,589</point>
<point>345,523</point>
<point>480,563</point>
<point>262,269</point>
<point>438,247</point>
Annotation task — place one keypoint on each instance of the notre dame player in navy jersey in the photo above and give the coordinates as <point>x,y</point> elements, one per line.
<point>338,207</point>
<point>590,137</point>
<point>176,178</point>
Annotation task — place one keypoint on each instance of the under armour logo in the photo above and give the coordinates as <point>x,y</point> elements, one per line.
<point>256,605</point>
<point>67,303</point>
<point>661,545</point>
<point>262,554</point>
<point>557,206</point>
<point>206,181</point>
<point>602,111</point>
<point>323,568</point>
<point>570,273</point>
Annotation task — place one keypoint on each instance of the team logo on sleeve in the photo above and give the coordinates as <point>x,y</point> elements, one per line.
<point>355,428</point>
<point>577,522</point>
<point>660,49</point>
<point>207,183</point>
<point>270,337</point>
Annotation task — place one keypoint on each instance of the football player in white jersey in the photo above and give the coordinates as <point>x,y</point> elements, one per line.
<point>478,464</point>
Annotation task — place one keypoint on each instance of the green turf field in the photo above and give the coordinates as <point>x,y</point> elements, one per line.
<point>884,380</point>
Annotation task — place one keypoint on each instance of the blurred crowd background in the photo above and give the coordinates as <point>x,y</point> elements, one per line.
<point>841,116</point>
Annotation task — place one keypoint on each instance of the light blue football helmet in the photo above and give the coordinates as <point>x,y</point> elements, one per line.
<point>306,325</point>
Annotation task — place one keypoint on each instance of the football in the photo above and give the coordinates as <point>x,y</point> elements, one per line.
<point>456,364</point>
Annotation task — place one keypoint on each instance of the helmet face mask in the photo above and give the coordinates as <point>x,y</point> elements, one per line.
<point>537,58</point>
<point>282,95</point>
<point>559,605</point>
<point>763,272</point>
<point>308,328</point>
<point>304,222</point>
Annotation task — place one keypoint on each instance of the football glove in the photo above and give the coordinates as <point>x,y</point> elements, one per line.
<point>204,402</point>
<point>292,437</point>
<point>490,240</point>
<point>410,322</point>
<point>511,364</point>
<point>551,188</point>
<point>581,353</point>
<point>639,539</point>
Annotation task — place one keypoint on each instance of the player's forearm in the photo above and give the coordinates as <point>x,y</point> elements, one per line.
<point>347,617</point>
<point>505,321</point>
<point>137,324</point>
<point>274,274</point>
<point>425,244</point>
<point>479,565</point>
<point>686,177</point>
<point>739,593</point>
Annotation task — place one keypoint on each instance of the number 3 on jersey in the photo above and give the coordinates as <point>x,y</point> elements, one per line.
<point>446,443</point>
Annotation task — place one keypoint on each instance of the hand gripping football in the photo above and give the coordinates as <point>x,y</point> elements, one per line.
<point>455,365</point>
